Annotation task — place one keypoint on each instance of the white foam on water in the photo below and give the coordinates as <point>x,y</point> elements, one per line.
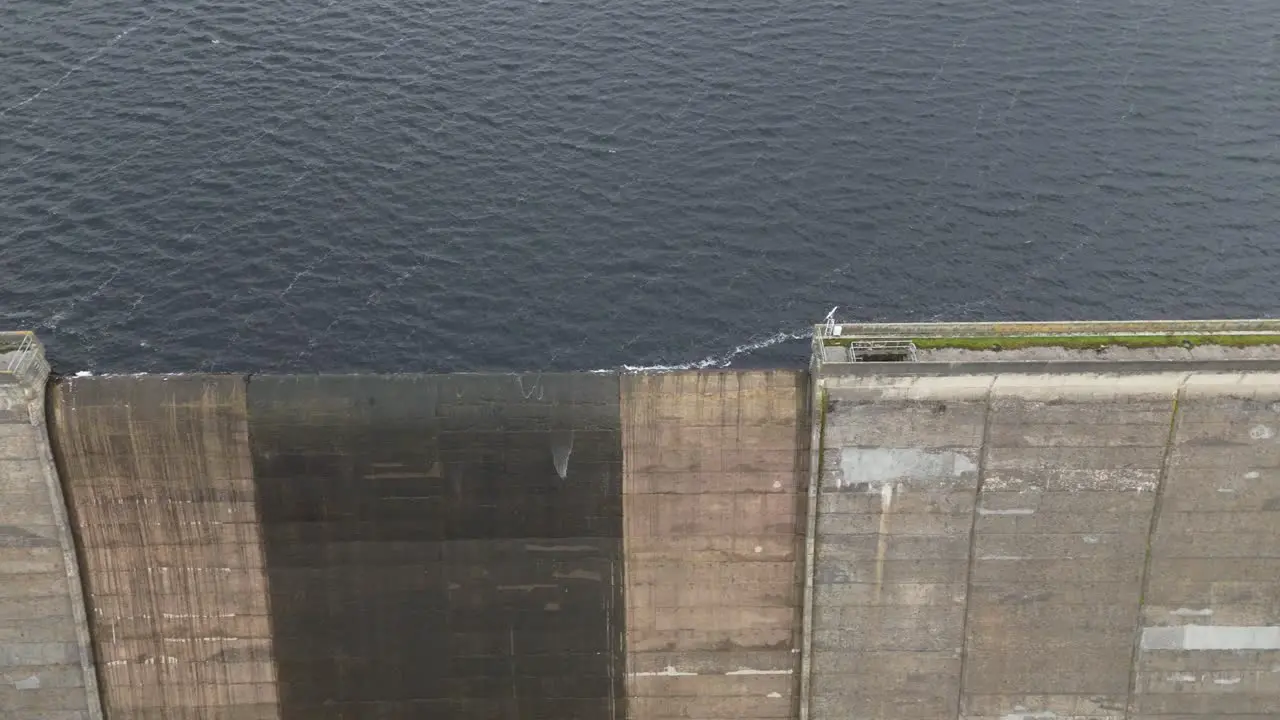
<point>716,361</point>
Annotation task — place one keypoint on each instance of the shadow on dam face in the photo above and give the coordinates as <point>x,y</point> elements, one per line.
<point>442,546</point>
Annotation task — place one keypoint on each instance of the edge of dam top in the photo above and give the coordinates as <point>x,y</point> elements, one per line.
<point>1045,347</point>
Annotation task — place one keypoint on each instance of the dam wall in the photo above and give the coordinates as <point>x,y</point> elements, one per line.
<point>932,523</point>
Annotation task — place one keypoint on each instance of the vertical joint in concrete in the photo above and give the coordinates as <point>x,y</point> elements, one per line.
<point>817,422</point>
<point>973,554</point>
<point>1152,527</point>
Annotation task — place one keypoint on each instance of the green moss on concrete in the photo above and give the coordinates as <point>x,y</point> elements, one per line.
<point>1077,342</point>
<point>1095,342</point>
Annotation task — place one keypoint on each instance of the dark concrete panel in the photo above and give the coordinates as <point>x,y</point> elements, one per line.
<point>443,546</point>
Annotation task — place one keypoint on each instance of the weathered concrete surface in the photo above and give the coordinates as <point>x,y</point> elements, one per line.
<point>1070,469</point>
<point>46,666</point>
<point>899,475</point>
<point>1210,643</point>
<point>444,547</point>
<point>161,489</point>
<point>1085,546</point>
<point>712,485</point>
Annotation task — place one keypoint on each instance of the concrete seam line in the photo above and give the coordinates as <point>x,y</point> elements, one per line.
<point>242,417</point>
<point>1156,506</point>
<point>817,421</point>
<point>71,558</point>
<point>973,541</point>
<point>617,575</point>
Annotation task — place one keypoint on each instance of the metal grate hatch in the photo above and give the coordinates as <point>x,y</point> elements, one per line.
<point>882,350</point>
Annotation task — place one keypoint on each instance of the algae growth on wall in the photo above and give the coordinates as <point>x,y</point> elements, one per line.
<point>443,546</point>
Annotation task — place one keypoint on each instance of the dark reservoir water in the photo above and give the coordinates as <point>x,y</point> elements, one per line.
<point>517,184</point>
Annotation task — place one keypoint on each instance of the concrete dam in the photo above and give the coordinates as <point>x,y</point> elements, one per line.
<point>1014,521</point>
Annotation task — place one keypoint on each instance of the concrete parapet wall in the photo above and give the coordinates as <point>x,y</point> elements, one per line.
<point>712,490</point>
<point>46,663</point>
<point>161,489</point>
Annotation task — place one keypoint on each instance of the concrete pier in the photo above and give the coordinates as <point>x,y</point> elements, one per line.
<point>994,521</point>
<point>46,661</point>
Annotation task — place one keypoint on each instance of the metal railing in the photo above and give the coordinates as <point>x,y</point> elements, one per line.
<point>23,355</point>
<point>882,350</point>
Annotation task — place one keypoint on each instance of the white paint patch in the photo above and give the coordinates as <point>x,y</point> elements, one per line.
<point>578,574</point>
<point>749,671</point>
<point>1211,637</point>
<point>1185,678</point>
<point>878,467</point>
<point>1261,432</point>
<point>1252,475</point>
<point>1226,681</point>
<point>1226,490</point>
<point>759,549</point>
<point>668,671</point>
<point>1189,612</point>
<point>183,616</point>
<point>31,683</point>
<point>1010,511</point>
<point>775,695</point>
<point>777,484</point>
<point>1090,539</point>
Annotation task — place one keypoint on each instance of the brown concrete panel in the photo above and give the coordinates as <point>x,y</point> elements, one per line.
<point>160,482</point>
<point>712,491</point>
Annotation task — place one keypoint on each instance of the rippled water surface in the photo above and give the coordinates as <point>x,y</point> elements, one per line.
<point>534,184</point>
